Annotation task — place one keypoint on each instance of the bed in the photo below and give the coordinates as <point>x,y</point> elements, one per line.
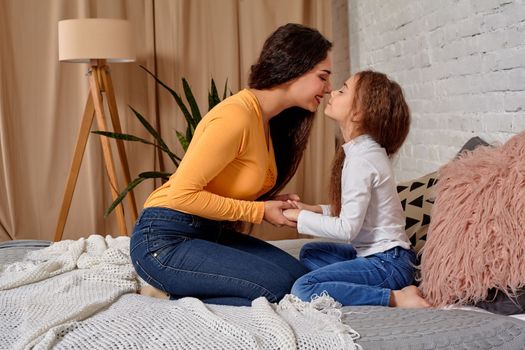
<point>82,294</point>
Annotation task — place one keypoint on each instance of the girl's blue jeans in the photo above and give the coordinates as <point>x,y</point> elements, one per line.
<point>186,255</point>
<point>351,280</point>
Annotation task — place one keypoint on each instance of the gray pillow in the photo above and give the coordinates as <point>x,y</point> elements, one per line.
<point>472,144</point>
<point>500,303</point>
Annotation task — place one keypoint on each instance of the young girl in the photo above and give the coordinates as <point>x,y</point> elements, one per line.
<point>242,154</point>
<point>377,268</point>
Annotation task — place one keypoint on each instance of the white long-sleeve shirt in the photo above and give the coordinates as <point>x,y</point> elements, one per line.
<point>371,217</point>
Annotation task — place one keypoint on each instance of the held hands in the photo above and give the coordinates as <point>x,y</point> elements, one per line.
<point>293,214</point>
<point>273,213</point>
<point>284,209</point>
<point>296,203</point>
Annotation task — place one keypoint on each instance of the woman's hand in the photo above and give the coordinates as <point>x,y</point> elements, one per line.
<point>273,213</point>
<point>287,197</point>
<point>292,214</point>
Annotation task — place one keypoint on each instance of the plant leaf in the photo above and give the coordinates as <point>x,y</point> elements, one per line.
<point>129,137</point>
<point>210,101</point>
<point>213,96</point>
<point>189,133</point>
<point>157,137</point>
<point>125,137</point>
<point>196,113</point>
<point>142,176</point>
<point>123,194</point>
<point>225,87</point>
<point>183,141</point>
<point>178,99</point>
<point>155,175</point>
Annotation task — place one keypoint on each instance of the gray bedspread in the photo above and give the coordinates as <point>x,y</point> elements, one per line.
<point>393,328</point>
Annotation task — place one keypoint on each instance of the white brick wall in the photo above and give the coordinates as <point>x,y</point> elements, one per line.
<point>340,50</point>
<point>461,64</point>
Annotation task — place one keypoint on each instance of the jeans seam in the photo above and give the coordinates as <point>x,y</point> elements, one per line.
<point>395,271</point>
<point>385,298</point>
<point>205,273</point>
<point>136,246</point>
<point>218,275</point>
<point>310,262</point>
<point>386,279</point>
<point>190,219</point>
<point>150,278</point>
<point>328,252</point>
<point>332,254</point>
<point>146,242</point>
<point>389,272</point>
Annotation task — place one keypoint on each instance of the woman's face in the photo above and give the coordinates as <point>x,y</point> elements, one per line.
<point>308,90</point>
<point>339,106</point>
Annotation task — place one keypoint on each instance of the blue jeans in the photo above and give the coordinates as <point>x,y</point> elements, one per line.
<point>353,280</point>
<point>186,255</point>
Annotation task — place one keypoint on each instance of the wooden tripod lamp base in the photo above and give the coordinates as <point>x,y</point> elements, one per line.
<point>80,39</point>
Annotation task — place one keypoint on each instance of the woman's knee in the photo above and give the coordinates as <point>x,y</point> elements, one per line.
<point>279,287</point>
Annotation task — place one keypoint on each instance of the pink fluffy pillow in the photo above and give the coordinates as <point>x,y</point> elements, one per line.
<point>476,238</point>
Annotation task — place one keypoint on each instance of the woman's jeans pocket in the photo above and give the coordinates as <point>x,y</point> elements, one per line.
<point>162,246</point>
<point>145,261</point>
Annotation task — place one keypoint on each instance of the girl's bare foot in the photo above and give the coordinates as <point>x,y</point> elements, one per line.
<point>409,297</point>
<point>153,292</point>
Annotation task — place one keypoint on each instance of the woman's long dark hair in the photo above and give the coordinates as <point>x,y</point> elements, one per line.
<point>385,117</point>
<point>291,51</point>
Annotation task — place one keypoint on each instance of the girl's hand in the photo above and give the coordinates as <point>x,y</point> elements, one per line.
<point>273,213</point>
<point>287,197</point>
<point>292,214</point>
<point>309,207</point>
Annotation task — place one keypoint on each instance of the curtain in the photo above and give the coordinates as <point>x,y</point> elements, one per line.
<point>42,101</point>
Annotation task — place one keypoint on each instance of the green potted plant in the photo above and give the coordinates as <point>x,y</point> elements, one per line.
<point>192,115</point>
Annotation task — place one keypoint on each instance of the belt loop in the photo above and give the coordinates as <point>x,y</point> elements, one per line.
<point>396,252</point>
<point>139,219</point>
<point>195,221</point>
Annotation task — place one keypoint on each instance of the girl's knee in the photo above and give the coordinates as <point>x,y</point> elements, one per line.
<point>298,292</point>
<point>307,250</point>
<point>304,250</point>
<point>302,288</point>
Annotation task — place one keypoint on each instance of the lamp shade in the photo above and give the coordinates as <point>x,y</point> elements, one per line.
<point>80,40</point>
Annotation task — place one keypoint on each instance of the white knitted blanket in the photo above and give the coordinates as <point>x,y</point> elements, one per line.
<point>81,294</point>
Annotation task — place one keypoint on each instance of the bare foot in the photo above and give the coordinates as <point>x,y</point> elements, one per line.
<point>409,297</point>
<point>153,292</point>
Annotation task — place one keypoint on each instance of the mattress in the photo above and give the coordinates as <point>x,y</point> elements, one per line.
<point>395,328</point>
<point>12,251</point>
<point>389,328</point>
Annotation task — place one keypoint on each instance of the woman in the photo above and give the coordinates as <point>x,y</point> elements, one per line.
<point>376,266</point>
<point>242,154</point>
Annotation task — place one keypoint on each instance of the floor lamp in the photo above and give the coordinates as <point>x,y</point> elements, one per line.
<point>97,41</point>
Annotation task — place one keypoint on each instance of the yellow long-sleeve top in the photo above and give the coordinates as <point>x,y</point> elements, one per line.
<point>227,166</point>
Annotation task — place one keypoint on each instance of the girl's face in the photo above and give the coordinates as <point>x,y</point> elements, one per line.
<point>340,106</point>
<point>308,90</point>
